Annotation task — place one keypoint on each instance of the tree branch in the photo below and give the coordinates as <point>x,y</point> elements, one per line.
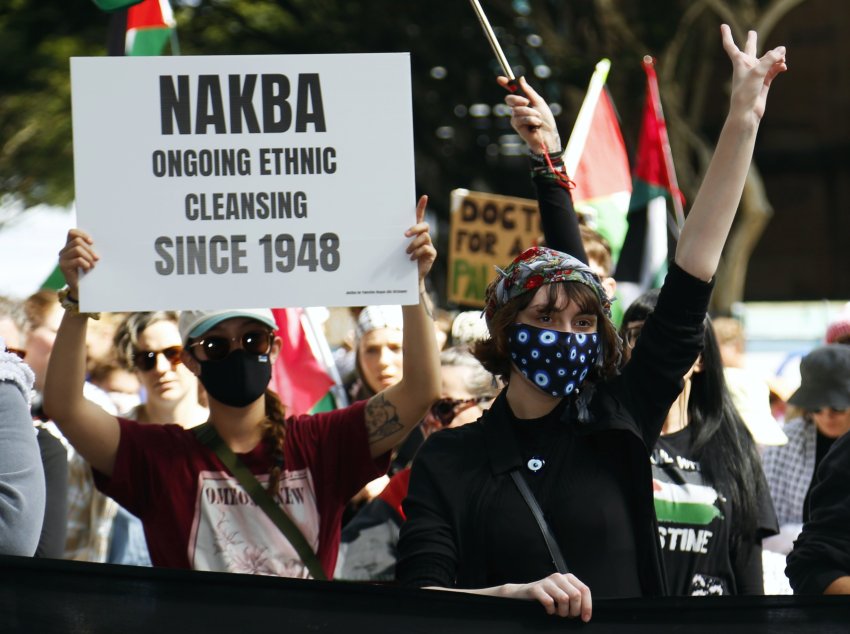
<point>772,15</point>
<point>754,214</point>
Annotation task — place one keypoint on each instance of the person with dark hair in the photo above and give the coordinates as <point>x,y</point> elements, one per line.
<point>824,399</point>
<point>710,492</point>
<point>195,512</point>
<point>549,495</point>
<point>147,344</point>
<point>711,497</point>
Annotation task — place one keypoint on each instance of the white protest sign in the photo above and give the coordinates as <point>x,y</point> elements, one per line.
<point>245,181</point>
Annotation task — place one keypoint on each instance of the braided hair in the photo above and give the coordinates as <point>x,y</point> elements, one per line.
<point>274,431</point>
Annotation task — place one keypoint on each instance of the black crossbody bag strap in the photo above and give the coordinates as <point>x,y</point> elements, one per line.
<point>537,512</point>
<point>208,436</point>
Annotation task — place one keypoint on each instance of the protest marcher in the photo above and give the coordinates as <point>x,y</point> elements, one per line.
<point>378,364</point>
<point>378,351</point>
<point>149,345</point>
<point>42,318</point>
<point>824,398</point>
<point>369,546</point>
<point>705,459</point>
<point>195,513</point>
<point>711,497</point>
<point>22,485</point>
<point>820,561</point>
<point>470,524</point>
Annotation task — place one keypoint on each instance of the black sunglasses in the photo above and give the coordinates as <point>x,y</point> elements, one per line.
<point>216,348</point>
<point>145,360</point>
<point>446,409</point>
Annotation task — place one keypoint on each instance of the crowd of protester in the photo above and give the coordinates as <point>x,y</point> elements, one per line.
<point>476,447</point>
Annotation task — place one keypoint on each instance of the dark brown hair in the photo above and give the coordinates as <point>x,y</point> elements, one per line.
<point>274,430</point>
<point>494,355</point>
<point>126,339</point>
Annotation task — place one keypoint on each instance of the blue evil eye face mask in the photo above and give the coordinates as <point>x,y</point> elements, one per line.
<point>556,362</point>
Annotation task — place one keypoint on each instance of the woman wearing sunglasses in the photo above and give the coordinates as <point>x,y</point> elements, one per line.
<point>195,513</point>
<point>148,344</point>
<point>570,433</point>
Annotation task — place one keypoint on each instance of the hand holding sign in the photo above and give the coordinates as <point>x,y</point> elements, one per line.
<point>78,255</point>
<point>420,248</point>
<point>532,118</point>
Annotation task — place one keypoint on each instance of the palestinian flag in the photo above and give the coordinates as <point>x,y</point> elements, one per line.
<point>55,280</point>
<point>115,5</point>
<point>597,161</point>
<point>651,229</point>
<point>684,503</point>
<point>149,26</point>
<point>142,29</point>
<point>304,374</point>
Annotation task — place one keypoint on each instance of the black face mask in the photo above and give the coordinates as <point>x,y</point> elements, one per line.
<point>237,380</point>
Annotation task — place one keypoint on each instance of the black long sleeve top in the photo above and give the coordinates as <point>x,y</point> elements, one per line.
<point>822,551</point>
<point>460,482</point>
<point>558,218</point>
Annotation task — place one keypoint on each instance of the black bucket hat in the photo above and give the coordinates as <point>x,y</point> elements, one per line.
<point>824,379</point>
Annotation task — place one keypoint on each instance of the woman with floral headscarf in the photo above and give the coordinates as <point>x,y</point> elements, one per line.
<point>576,432</point>
<point>711,497</point>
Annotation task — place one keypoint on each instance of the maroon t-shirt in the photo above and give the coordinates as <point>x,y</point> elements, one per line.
<point>196,515</point>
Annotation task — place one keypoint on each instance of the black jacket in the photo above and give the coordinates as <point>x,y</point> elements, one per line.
<point>822,551</point>
<point>458,471</point>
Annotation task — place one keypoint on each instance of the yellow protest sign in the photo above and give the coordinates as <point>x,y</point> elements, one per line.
<point>487,230</point>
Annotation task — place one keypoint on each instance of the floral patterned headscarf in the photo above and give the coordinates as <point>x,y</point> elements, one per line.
<point>535,267</point>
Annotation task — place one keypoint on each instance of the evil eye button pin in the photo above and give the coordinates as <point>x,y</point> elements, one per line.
<point>535,464</point>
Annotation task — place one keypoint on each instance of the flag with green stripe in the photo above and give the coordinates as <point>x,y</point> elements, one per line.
<point>597,162</point>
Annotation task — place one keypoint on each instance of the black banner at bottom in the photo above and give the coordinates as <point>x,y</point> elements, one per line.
<point>73,597</point>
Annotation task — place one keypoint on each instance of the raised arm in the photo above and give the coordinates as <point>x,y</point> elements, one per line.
<point>393,412</point>
<point>91,430</point>
<point>708,223</point>
<point>532,119</point>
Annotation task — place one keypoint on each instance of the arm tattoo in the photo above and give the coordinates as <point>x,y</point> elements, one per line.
<point>381,419</point>
<point>426,301</point>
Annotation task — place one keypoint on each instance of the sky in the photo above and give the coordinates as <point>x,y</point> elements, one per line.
<point>29,248</point>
